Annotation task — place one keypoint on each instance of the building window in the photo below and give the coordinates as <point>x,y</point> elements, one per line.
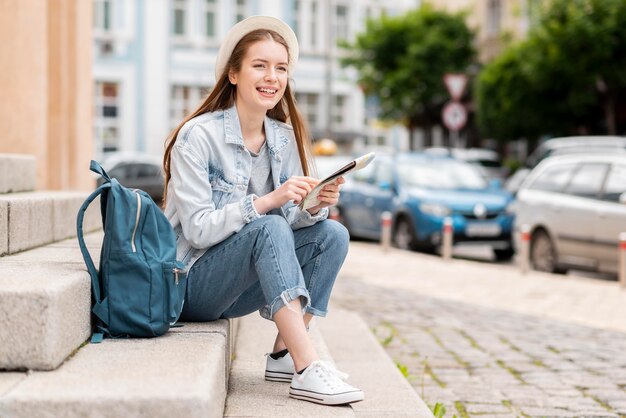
<point>241,10</point>
<point>494,17</point>
<point>375,140</point>
<point>296,20</point>
<point>184,100</point>
<point>309,19</point>
<point>338,110</point>
<point>102,15</point>
<point>308,105</point>
<point>106,116</point>
<point>313,24</point>
<point>340,30</point>
<point>210,18</point>
<point>179,26</point>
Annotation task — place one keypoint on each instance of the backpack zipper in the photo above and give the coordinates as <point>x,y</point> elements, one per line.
<point>177,271</point>
<point>132,240</point>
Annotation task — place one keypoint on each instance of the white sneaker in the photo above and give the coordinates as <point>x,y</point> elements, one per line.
<point>321,383</point>
<point>280,370</point>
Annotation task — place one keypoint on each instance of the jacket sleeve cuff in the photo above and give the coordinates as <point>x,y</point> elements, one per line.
<point>248,211</point>
<point>319,216</point>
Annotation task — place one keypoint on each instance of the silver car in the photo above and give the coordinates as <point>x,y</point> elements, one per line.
<point>575,207</point>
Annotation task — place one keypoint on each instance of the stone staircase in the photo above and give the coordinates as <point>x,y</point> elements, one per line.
<point>48,370</point>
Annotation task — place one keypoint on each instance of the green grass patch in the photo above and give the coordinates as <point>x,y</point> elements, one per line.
<point>471,340</point>
<point>539,363</point>
<point>428,370</point>
<point>516,374</point>
<point>390,333</point>
<point>461,408</point>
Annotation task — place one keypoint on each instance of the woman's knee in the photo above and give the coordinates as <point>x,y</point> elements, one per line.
<point>336,236</point>
<point>275,225</point>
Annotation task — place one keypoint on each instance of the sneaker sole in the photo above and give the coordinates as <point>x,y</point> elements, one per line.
<point>324,399</point>
<point>278,376</point>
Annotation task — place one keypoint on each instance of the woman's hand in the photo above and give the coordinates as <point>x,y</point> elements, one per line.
<point>294,189</point>
<point>328,196</point>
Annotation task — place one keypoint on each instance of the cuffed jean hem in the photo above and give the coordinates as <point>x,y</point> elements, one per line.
<point>315,312</point>
<point>282,300</point>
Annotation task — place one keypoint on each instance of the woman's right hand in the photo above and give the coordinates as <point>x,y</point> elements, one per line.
<point>294,189</point>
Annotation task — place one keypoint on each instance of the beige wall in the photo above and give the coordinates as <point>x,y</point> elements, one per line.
<point>490,45</point>
<point>46,82</point>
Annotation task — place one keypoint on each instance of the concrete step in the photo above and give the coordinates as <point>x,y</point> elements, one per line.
<point>45,296</point>
<point>33,219</point>
<point>181,374</point>
<point>342,338</point>
<point>17,173</point>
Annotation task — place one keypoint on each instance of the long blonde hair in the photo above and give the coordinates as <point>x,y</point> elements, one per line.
<point>223,97</point>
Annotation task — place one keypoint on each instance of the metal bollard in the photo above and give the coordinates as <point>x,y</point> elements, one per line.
<point>622,259</point>
<point>448,230</point>
<point>524,250</point>
<point>385,236</point>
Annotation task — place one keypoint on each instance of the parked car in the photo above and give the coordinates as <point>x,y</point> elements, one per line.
<point>487,160</point>
<point>575,145</point>
<point>421,190</point>
<point>515,180</point>
<point>137,171</point>
<point>565,146</point>
<point>575,206</point>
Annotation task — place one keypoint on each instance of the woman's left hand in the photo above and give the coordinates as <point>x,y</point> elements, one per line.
<point>328,196</point>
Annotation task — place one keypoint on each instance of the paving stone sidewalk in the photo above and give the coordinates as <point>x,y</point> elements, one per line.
<point>481,359</point>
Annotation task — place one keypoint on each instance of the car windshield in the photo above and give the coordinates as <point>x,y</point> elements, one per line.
<point>441,174</point>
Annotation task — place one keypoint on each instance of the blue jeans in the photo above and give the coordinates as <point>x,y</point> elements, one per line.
<point>265,266</point>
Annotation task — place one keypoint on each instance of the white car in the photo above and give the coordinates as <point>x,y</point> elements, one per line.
<point>575,206</point>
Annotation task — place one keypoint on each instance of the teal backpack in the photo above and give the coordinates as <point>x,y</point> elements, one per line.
<point>139,288</point>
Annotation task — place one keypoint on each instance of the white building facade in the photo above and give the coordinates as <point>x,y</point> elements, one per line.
<point>154,63</point>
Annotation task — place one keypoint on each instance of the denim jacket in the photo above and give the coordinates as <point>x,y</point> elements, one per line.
<point>210,167</point>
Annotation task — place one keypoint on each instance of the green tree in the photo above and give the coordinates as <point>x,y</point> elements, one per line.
<point>570,74</point>
<point>402,59</point>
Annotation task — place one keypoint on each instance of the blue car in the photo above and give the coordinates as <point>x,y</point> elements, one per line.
<point>420,191</point>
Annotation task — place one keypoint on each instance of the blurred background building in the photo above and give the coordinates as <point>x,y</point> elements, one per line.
<point>154,62</point>
<point>46,86</point>
<point>495,21</point>
<point>82,78</point>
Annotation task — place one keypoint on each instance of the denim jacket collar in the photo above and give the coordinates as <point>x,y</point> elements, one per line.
<point>274,136</point>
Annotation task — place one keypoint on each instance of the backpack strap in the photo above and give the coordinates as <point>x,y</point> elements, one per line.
<point>95,285</point>
<point>97,168</point>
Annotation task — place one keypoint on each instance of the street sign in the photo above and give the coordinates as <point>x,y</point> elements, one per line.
<point>454,116</point>
<point>455,83</point>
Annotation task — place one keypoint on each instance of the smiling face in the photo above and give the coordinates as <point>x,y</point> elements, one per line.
<point>263,76</point>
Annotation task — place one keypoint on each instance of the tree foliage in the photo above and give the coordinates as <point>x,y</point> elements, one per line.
<point>565,78</point>
<point>402,59</point>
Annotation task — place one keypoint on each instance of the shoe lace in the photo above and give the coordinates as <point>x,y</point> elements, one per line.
<point>329,374</point>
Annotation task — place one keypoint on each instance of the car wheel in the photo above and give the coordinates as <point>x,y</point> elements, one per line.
<point>404,235</point>
<point>543,255</point>
<point>505,254</point>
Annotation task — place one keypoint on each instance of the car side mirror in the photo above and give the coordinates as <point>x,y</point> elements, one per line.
<point>622,198</point>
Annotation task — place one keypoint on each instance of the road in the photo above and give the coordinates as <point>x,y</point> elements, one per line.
<point>487,341</point>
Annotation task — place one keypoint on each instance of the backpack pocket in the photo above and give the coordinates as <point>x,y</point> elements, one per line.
<point>175,279</point>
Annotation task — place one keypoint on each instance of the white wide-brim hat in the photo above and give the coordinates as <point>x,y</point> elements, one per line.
<point>248,25</point>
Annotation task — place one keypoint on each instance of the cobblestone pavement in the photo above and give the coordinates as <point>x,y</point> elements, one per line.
<point>483,361</point>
